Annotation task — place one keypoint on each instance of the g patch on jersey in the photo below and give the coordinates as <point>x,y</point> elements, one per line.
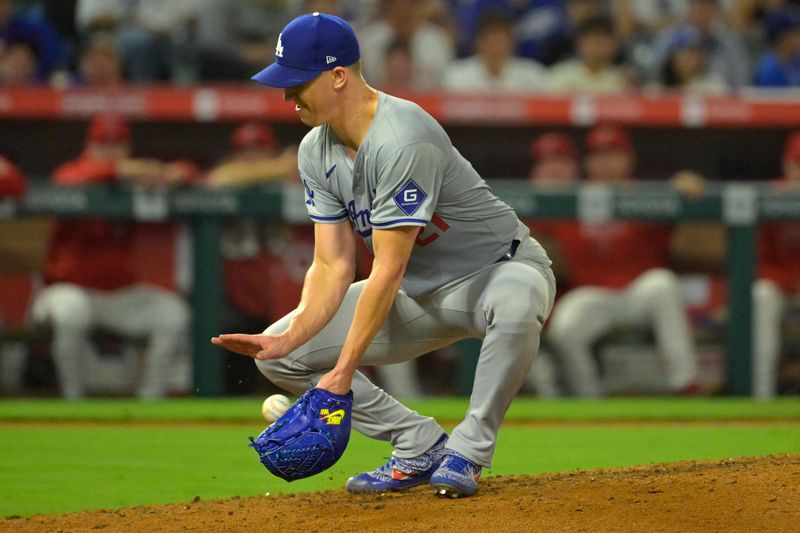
<point>409,197</point>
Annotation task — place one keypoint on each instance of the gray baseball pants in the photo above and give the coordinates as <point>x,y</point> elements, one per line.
<point>505,304</point>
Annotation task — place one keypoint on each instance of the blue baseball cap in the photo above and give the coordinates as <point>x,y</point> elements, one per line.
<point>307,46</point>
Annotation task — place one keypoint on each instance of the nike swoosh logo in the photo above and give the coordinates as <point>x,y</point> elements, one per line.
<point>329,172</point>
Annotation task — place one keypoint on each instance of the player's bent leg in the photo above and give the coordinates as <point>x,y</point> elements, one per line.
<point>168,334</point>
<point>580,318</point>
<point>67,308</point>
<point>768,305</point>
<point>400,379</point>
<point>656,295</point>
<point>514,305</point>
<point>161,317</point>
<point>375,413</point>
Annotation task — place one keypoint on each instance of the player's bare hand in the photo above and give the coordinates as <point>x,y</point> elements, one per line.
<point>689,183</point>
<point>259,347</point>
<point>336,381</point>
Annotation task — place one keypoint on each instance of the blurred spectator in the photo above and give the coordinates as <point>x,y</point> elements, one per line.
<point>543,29</point>
<point>12,183</point>
<point>554,160</point>
<point>555,165</point>
<point>431,48</point>
<point>99,64</point>
<point>61,15</point>
<point>494,67</point>
<point>617,271</point>
<point>91,271</point>
<point>141,29</point>
<point>778,275</point>
<point>14,276</point>
<point>540,26</point>
<point>264,263</point>
<point>727,56</point>
<point>778,279</point>
<point>186,40</point>
<point>36,31</point>
<point>747,16</point>
<point>780,66</point>
<point>255,157</point>
<point>399,68</point>
<point>593,70</point>
<point>18,65</point>
<point>645,17</point>
<point>686,68</point>
<point>578,12</point>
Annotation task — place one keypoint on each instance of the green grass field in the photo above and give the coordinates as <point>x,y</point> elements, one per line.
<point>113,453</point>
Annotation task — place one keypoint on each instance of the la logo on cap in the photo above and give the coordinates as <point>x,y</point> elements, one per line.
<point>279,47</point>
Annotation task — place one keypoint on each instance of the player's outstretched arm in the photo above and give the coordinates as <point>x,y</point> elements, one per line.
<point>392,250</point>
<point>327,280</point>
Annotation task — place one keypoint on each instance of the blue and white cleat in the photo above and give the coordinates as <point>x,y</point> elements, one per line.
<point>457,476</point>
<point>400,474</point>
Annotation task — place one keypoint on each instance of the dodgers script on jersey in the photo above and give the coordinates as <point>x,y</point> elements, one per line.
<point>407,173</point>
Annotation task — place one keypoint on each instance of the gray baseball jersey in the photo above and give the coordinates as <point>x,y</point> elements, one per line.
<point>407,173</point>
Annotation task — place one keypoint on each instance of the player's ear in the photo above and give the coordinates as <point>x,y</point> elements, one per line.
<point>339,77</point>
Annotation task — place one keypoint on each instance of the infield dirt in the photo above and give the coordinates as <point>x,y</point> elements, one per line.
<point>745,494</point>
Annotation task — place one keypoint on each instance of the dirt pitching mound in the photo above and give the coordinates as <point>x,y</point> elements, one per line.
<point>747,494</point>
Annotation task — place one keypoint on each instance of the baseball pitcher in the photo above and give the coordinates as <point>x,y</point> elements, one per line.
<point>452,261</point>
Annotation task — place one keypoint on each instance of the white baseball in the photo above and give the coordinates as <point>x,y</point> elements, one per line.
<point>274,407</point>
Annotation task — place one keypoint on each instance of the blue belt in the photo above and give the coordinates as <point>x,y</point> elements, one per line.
<point>512,250</point>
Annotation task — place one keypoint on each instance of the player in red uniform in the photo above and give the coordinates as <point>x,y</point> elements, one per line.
<point>617,274</point>
<point>778,278</point>
<point>92,275</point>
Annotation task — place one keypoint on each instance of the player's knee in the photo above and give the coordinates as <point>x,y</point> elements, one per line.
<point>766,291</point>
<point>63,306</point>
<point>172,314</point>
<point>659,282</point>
<point>517,303</point>
<point>566,327</point>
<point>558,328</point>
<point>515,310</point>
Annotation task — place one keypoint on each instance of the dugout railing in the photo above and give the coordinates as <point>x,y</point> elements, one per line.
<point>740,206</point>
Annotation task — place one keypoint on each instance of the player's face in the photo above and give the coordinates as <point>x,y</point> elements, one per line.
<point>609,166</point>
<point>109,151</point>
<point>791,171</point>
<point>313,100</point>
<point>554,171</point>
<point>597,49</point>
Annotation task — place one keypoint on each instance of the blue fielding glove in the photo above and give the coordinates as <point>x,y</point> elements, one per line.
<point>309,438</point>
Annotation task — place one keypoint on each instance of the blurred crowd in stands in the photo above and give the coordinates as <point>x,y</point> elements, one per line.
<point>706,46</point>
